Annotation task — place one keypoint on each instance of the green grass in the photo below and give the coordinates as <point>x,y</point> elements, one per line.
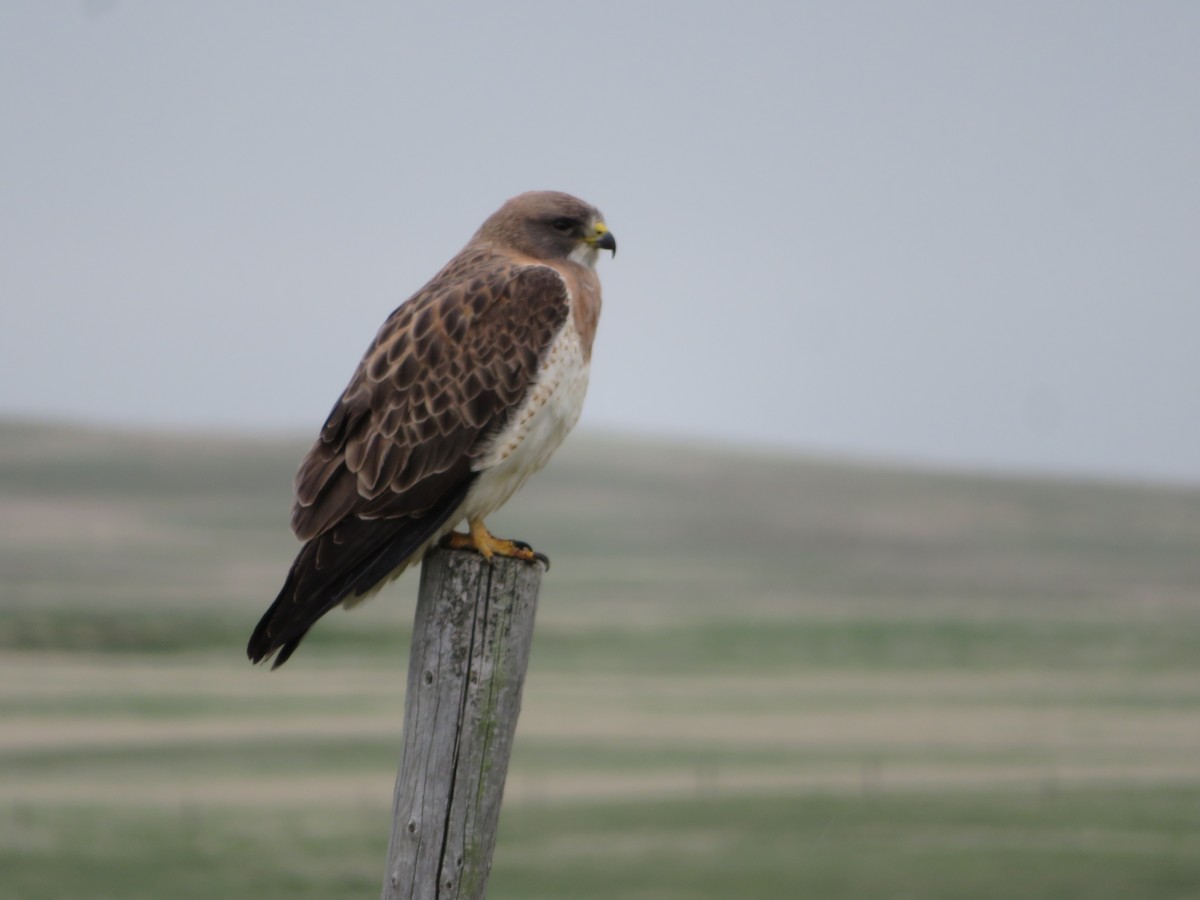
<point>729,646</point>
<point>189,852</point>
<point>980,846</point>
<point>752,677</point>
<point>1067,844</point>
<point>876,644</point>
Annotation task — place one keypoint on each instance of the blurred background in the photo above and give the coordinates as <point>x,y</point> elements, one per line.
<point>876,565</point>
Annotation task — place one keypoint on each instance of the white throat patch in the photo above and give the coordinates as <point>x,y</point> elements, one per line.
<point>585,254</point>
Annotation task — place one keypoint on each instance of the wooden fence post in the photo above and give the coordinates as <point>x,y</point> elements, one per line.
<point>470,649</point>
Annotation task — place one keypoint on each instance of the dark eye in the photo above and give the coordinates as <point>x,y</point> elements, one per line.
<point>564,225</point>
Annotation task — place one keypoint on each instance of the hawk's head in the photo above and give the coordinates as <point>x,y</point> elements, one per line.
<point>550,225</point>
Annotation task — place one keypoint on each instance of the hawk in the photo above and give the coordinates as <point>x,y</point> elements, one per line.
<point>468,388</point>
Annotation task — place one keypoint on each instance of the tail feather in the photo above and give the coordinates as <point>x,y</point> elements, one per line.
<point>348,560</point>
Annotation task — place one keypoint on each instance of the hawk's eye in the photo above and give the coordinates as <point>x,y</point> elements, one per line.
<point>564,225</point>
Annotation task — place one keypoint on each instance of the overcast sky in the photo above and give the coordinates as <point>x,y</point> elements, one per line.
<point>960,233</point>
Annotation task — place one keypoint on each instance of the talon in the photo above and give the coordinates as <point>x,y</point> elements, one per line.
<point>530,555</point>
<point>488,545</point>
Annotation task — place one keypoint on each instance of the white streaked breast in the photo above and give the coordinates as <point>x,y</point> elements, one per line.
<point>537,429</point>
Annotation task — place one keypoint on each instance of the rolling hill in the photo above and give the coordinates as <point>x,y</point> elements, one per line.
<point>752,676</point>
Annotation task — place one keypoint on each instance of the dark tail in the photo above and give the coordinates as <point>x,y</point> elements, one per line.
<point>347,560</point>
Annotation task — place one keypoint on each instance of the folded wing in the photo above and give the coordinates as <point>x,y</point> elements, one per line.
<point>398,452</point>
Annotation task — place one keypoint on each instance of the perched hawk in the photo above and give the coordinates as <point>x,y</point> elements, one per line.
<point>467,390</point>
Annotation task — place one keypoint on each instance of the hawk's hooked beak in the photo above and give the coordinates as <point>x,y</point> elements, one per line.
<point>602,239</point>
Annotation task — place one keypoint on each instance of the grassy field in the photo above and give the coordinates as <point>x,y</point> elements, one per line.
<point>752,677</point>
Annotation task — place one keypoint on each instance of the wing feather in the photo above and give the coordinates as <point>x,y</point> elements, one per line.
<point>395,457</point>
<point>443,374</point>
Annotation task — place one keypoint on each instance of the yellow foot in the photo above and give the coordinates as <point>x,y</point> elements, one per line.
<point>488,545</point>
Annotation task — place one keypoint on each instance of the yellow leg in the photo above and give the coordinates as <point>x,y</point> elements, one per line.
<point>488,545</point>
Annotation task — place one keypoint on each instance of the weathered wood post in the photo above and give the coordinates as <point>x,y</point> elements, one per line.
<point>470,649</point>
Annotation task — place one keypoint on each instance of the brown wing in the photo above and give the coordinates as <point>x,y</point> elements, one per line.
<point>394,458</point>
<point>444,373</point>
